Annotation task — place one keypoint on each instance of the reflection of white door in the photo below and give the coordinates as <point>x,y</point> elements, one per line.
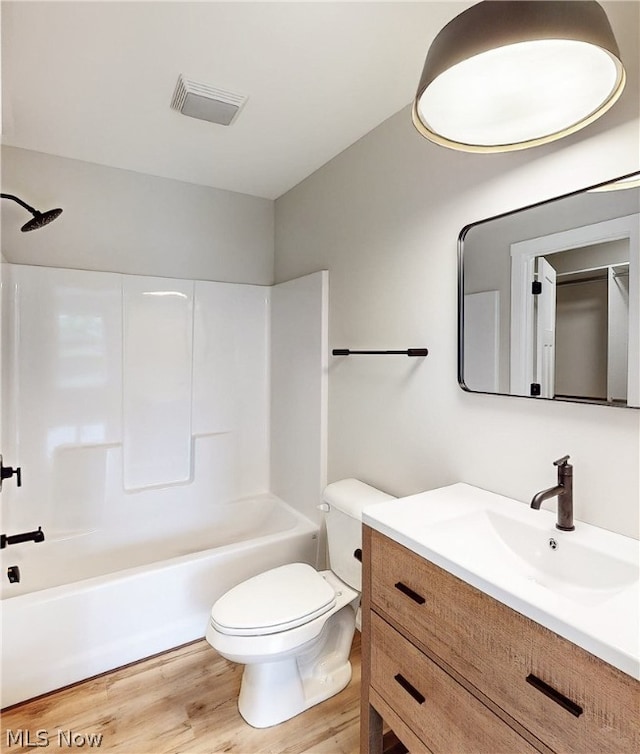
<point>545,309</point>
<point>523,254</point>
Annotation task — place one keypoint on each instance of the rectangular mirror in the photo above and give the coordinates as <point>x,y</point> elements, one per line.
<point>549,299</point>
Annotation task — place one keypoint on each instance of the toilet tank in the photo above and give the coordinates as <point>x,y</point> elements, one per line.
<point>344,502</point>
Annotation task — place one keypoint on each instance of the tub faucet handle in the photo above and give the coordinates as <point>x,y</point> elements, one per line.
<point>564,461</point>
<point>6,472</point>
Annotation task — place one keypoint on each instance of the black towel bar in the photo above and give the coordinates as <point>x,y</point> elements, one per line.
<point>407,352</point>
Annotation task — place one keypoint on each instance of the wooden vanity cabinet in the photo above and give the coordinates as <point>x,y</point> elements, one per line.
<point>453,671</point>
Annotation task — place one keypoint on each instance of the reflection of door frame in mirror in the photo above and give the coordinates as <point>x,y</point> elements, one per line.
<point>545,329</point>
<point>523,256</point>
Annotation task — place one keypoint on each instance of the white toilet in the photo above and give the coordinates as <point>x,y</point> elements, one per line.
<point>292,626</point>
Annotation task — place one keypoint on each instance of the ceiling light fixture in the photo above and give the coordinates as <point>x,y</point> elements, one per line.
<point>512,74</point>
<point>628,182</point>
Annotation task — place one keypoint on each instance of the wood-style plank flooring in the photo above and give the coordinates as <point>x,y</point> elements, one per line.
<point>180,702</point>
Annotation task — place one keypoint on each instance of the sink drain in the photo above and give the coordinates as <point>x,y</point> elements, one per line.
<point>553,544</point>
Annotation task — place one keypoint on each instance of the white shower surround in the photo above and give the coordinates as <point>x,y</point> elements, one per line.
<point>101,371</point>
<point>96,362</point>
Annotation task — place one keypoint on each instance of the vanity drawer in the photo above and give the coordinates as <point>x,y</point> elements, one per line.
<point>566,697</point>
<point>443,714</point>
<point>606,715</point>
<point>475,635</point>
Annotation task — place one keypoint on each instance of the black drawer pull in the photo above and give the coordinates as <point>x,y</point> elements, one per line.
<point>410,593</point>
<point>409,688</point>
<point>357,554</point>
<point>557,697</point>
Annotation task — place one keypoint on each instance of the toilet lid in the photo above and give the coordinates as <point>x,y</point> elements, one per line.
<point>274,601</point>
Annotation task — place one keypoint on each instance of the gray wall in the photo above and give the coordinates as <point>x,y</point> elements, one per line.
<point>383,217</point>
<point>121,221</point>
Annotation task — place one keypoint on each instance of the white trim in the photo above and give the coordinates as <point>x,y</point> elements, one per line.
<point>521,333</point>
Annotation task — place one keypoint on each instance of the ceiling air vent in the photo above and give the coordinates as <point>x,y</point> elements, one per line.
<point>206,102</point>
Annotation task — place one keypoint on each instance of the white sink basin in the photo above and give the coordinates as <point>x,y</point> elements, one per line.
<point>582,584</point>
<point>561,564</point>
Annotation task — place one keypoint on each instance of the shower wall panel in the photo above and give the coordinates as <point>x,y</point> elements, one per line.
<point>137,419</point>
<point>62,399</point>
<point>299,374</point>
<point>157,371</point>
<point>231,379</point>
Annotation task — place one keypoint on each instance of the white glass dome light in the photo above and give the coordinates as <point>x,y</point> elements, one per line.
<point>511,74</point>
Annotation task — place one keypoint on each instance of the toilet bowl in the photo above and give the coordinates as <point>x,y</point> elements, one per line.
<point>292,626</point>
<point>283,675</point>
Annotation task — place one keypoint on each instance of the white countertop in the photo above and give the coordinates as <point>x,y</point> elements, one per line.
<point>453,527</point>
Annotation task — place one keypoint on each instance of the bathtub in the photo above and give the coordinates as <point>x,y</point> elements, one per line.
<point>88,604</point>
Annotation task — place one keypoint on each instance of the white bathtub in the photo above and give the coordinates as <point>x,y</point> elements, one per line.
<point>92,603</point>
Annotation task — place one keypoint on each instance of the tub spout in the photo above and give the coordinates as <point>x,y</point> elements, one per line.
<point>15,539</point>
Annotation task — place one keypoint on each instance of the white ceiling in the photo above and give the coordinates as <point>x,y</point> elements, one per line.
<point>94,80</point>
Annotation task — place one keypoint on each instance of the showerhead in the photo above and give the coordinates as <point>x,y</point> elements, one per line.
<point>39,219</point>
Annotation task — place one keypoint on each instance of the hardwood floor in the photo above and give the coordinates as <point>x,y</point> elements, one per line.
<point>180,702</point>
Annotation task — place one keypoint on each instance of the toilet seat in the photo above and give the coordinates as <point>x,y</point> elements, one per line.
<point>274,601</point>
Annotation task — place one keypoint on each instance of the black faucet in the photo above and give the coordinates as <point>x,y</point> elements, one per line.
<point>15,539</point>
<point>564,492</point>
